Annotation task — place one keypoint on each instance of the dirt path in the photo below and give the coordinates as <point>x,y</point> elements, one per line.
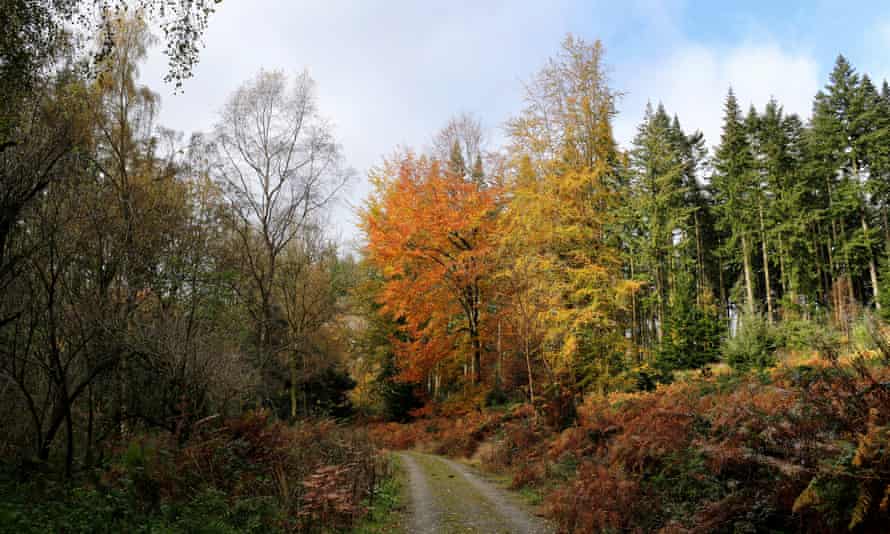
<point>447,498</point>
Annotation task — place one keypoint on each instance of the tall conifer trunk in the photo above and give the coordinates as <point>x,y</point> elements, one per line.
<point>700,262</point>
<point>749,282</point>
<point>768,287</point>
<point>886,227</point>
<point>872,270</point>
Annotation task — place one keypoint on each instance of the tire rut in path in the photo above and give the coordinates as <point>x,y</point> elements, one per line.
<point>447,498</point>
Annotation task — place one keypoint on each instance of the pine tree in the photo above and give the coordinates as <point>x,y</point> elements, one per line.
<point>869,141</point>
<point>764,196</point>
<point>658,211</point>
<point>839,146</point>
<point>734,191</point>
<point>701,235</point>
<point>879,159</point>
<point>692,334</point>
<point>456,163</point>
<point>478,172</point>
<point>783,189</point>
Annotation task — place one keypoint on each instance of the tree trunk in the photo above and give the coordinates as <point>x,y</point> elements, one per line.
<point>475,338</point>
<point>477,355</point>
<point>659,288</point>
<point>528,365</point>
<point>69,442</point>
<point>88,452</point>
<point>635,328</point>
<point>768,287</point>
<point>294,374</point>
<point>473,364</point>
<point>635,341</point>
<point>886,227</point>
<point>872,271</point>
<point>723,303</point>
<point>749,283</point>
<point>699,261</point>
<point>499,377</point>
<point>46,442</point>
<point>784,283</point>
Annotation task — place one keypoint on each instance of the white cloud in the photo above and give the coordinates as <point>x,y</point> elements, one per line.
<point>391,73</point>
<point>388,73</point>
<point>692,82</point>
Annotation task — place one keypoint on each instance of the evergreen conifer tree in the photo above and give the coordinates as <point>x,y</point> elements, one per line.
<point>734,192</point>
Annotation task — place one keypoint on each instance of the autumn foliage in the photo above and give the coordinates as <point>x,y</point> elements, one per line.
<point>431,234</point>
<point>602,282</point>
<point>802,448</point>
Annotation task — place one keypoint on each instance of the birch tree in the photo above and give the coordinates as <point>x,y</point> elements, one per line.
<point>279,166</point>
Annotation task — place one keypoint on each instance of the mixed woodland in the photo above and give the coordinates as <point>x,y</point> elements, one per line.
<point>678,335</point>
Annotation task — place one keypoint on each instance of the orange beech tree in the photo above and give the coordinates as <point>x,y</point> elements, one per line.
<point>431,233</point>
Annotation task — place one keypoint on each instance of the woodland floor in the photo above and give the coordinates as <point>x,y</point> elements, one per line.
<point>446,497</point>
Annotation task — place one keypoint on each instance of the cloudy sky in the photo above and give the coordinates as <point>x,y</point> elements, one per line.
<point>391,72</point>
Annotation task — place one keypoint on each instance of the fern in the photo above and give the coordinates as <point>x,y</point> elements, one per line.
<point>885,502</point>
<point>860,511</point>
<point>808,498</point>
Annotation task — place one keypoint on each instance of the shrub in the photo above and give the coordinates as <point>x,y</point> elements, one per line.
<point>496,396</point>
<point>528,475</point>
<point>246,474</point>
<point>559,407</point>
<point>691,340</point>
<point>791,449</point>
<point>399,398</point>
<point>600,499</point>
<point>865,333</point>
<point>851,488</point>
<point>754,346</point>
<point>804,334</point>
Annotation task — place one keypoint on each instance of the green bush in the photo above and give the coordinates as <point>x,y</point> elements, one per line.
<point>496,396</point>
<point>865,333</point>
<point>692,333</point>
<point>399,398</point>
<point>804,334</point>
<point>691,340</point>
<point>754,345</point>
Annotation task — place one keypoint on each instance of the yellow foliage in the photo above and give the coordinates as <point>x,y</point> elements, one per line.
<point>860,511</point>
<point>562,207</point>
<point>885,502</point>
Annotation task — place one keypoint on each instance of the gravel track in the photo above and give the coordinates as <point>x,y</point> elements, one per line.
<point>446,497</point>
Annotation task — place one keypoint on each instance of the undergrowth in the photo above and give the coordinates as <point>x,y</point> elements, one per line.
<point>800,448</point>
<point>240,475</point>
<point>386,504</point>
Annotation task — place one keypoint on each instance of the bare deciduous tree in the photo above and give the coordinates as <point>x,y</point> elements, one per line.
<point>465,132</point>
<point>309,302</point>
<point>279,166</point>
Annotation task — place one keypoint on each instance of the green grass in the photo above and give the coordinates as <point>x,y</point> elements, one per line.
<point>531,496</point>
<point>386,511</point>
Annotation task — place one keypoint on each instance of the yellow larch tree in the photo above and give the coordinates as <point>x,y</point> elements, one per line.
<point>562,205</point>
